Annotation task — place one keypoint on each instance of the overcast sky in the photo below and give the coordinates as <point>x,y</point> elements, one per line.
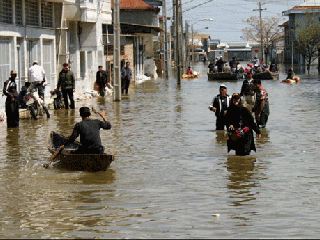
<point>229,15</point>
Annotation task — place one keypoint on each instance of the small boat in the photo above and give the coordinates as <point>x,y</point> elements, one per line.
<point>223,76</point>
<point>291,81</point>
<point>266,76</point>
<point>77,162</point>
<point>190,76</point>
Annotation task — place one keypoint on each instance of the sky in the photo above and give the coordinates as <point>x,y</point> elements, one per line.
<point>228,15</point>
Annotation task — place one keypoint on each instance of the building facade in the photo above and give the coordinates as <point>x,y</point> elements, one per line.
<point>52,32</point>
<point>298,15</point>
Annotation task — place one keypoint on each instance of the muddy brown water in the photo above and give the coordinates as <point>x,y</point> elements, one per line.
<point>172,176</point>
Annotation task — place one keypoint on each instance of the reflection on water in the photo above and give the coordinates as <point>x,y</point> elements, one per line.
<point>242,171</point>
<point>171,171</point>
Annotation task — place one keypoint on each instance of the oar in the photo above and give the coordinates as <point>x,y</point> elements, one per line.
<point>53,157</point>
<point>94,110</point>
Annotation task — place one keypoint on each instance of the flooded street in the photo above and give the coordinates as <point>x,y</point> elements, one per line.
<point>172,175</point>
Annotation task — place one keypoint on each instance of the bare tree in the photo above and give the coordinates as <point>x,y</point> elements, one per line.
<point>308,38</point>
<point>271,33</point>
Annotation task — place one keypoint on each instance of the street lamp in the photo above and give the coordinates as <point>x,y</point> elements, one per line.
<point>205,19</point>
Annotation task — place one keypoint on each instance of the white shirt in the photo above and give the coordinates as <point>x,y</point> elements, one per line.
<point>36,73</point>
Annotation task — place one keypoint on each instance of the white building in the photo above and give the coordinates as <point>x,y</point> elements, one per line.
<point>53,32</point>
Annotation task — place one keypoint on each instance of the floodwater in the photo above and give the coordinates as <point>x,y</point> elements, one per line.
<point>172,176</point>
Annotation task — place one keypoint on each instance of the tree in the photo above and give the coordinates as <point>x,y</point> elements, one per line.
<point>271,33</point>
<point>308,38</point>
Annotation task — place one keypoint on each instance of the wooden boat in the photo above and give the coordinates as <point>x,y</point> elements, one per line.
<point>77,162</point>
<point>190,76</point>
<point>266,76</point>
<point>223,76</point>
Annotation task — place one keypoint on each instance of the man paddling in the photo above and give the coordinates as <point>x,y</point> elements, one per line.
<point>89,131</point>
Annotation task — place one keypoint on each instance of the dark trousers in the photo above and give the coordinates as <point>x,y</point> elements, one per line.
<point>102,89</point>
<point>68,93</point>
<point>221,122</point>
<point>12,112</point>
<point>263,120</point>
<point>39,86</point>
<point>125,83</point>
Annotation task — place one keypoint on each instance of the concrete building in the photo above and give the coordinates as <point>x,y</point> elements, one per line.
<point>139,24</point>
<point>52,32</point>
<point>297,14</point>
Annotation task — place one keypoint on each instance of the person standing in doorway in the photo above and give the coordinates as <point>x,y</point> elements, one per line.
<point>12,103</point>
<point>219,105</point>
<point>126,74</point>
<point>37,78</point>
<point>66,84</point>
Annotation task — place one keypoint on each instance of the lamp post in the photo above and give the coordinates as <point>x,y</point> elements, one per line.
<point>205,19</point>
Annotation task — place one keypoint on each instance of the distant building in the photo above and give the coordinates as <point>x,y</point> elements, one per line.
<point>297,14</point>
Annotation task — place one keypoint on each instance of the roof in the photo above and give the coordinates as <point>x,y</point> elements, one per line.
<point>133,4</point>
<point>310,5</point>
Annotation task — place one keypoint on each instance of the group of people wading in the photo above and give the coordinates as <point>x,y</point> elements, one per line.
<point>88,129</point>
<point>236,113</point>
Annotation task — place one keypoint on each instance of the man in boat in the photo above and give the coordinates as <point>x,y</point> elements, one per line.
<point>226,68</point>
<point>219,105</point>
<point>273,66</point>
<point>89,131</point>
<point>261,106</point>
<point>234,64</point>
<point>292,76</point>
<point>247,92</point>
<point>220,63</point>
<point>189,71</point>
<point>211,67</point>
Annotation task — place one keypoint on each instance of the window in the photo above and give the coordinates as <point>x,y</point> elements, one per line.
<point>32,13</point>
<point>18,12</point>
<point>6,11</point>
<point>46,14</point>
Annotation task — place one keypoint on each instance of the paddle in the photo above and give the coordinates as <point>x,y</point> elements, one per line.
<point>57,153</point>
<point>103,117</point>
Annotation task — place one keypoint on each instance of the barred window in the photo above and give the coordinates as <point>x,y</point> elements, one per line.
<point>47,14</point>
<point>6,11</point>
<point>32,12</point>
<point>18,12</point>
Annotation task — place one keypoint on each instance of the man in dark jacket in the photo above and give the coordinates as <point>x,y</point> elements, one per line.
<point>12,103</point>
<point>219,105</point>
<point>220,63</point>
<point>247,92</point>
<point>234,64</point>
<point>101,80</point>
<point>126,74</point>
<point>89,131</point>
<point>66,84</point>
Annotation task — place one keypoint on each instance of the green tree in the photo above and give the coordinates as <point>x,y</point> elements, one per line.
<point>271,33</point>
<point>307,40</point>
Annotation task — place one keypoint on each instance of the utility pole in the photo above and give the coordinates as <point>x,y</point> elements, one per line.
<point>261,32</point>
<point>174,33</point>
<point>182,46</point>
<point>177,47</point>
<point>116,51</point>
<point>165,39</point>
<point>187,58</point>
